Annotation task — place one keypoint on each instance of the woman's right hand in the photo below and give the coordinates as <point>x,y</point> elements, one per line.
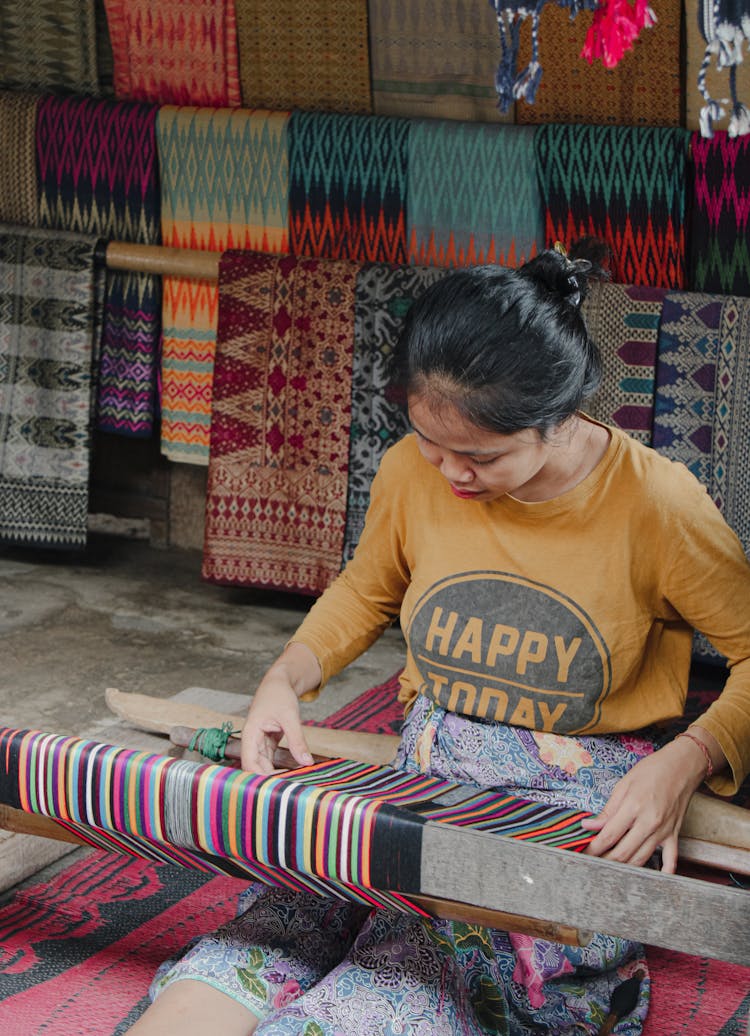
<point>274,712</point>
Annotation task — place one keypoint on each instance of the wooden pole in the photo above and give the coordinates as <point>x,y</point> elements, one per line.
<point>166,262</point>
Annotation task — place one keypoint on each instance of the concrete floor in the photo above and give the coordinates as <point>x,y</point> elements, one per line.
<point>123,614</point>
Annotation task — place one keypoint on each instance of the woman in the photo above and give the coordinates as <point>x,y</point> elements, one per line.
<point>548,572</point>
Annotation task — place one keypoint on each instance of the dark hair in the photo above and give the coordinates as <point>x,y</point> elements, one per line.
<point>509,349</point>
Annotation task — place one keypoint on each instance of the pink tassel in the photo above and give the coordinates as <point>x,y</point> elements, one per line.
<point>615,27</point>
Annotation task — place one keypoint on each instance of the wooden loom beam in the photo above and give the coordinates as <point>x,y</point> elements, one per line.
<point>162,260</point>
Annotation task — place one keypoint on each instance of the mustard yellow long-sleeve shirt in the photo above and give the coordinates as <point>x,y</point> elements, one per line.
<point>573,615</point>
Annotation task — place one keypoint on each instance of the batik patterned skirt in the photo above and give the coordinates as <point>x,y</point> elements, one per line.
<point>319,967</point>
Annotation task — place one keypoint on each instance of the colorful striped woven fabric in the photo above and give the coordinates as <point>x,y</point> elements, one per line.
<point>623,184</point>
<point>434,59</point>
<point>720,214</point>
<point>224,182</point>
<point>19,201</point>
<point>49,45</point>
<point>48,300</point>
<point>175,52</point>
<point>312,56</point>
<point>337,828</point>
<point>98,174</point>
<point>472,194</point>
<point>277,474</point>
<point>347,186</point>
<point>644,89</point>
<point>384,294</point>
<point>624,321</point>
<point>702,403</point>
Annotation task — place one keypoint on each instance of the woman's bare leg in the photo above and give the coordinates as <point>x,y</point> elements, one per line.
<point>193,1008</point>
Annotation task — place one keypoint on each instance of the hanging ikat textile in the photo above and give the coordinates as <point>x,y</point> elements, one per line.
<point>277,474</point>
<point>175,51</point>
<point>473,196</point>
<point>336,828</point>
<point>623,184</point>
<point>224,184</point>
<point>720,214</point>
<point>98,174</point>
<point>48,302</point>
<point>348,186</point>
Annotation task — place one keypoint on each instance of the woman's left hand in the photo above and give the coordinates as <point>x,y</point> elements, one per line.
<point>647,806</point>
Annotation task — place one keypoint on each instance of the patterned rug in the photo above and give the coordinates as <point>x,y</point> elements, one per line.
<point>48,298</point>
<point>625,184</point>
<point>473,196</point>
<point>78,950</point>
<point>276,496</point>
<point>98,174</point>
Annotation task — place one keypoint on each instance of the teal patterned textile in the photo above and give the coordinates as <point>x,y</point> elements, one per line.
<point>383,296</point>
<point>702,402</point>
<point>49,297</point>
<point>473,194</point>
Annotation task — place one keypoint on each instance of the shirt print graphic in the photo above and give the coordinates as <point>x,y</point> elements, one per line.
<point>504,648</point>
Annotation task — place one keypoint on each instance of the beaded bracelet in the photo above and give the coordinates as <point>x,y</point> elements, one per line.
<point>704,749</point>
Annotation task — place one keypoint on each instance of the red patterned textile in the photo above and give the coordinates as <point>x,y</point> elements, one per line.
<point>175,52</point>
<point>277,473</point>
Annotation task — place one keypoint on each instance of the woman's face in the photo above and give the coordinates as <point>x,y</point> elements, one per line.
<point>479,464</point>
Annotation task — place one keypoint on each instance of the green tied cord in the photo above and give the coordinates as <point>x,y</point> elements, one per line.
<point>211,742</point>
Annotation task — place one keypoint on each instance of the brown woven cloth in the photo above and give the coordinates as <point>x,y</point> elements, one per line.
<point>302,55</point>
<point>644,89</point>
<point>435,59</point>
<point>18,182</point>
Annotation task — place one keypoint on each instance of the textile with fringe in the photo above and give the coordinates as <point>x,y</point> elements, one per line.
<point>623,320</point>
<point>295,55</point>
<point>98,174</point>
<point>347,186</point>
<point>48,303</point>
<point>473,196</point>
<point>720,214</point>
<point>175,52</point>
<point>277,473</point>
<point>644,89</point>
<point>434,59</point>
<point>624,184</point>
<point>224,183</point>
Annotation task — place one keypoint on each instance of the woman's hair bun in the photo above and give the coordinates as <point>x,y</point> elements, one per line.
<point>568,273</point>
